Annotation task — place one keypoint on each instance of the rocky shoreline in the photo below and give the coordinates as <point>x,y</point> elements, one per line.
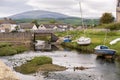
<point>6,73</point>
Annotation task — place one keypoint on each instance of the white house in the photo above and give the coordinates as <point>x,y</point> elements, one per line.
<point>8,27</point>
<point>34,27</point>
<point>2,29</point>
<point>42,27</point>
<point>27,27</point>
<point>55,27</point>
<point>14,27</point>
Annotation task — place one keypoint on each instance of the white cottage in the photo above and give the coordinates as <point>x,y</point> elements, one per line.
<point>42,27</point>
<point>27,27</point>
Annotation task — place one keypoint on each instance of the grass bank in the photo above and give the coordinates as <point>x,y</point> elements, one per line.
<point>7,49</point>
<point>42,63</point>
<point>97,37</point>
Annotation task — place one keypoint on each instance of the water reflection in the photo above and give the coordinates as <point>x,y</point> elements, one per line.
<point>104,60</point>
<point>107,68</point>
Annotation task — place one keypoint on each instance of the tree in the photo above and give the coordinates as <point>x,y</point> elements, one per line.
<point>53,21</point>
<point>106,18</point>
<point>35,22</point>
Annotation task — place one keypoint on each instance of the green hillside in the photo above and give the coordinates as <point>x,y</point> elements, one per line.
<point>73,21</point>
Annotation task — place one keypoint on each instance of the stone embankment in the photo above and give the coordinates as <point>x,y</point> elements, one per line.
<point>6,73</point>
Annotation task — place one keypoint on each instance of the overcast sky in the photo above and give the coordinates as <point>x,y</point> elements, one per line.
<point>90,8</point>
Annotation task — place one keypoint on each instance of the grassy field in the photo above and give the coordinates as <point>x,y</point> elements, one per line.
<point>97,37</point>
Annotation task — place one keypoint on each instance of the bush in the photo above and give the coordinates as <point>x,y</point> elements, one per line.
<point>112,26</point>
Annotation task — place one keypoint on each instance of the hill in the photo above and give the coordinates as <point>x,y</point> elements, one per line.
<point>37,14</point>
<point>46,17</point>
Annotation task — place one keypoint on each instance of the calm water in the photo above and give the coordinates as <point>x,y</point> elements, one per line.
<point>99,69</point>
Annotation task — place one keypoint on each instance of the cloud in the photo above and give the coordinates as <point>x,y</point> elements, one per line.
<point>10,7</point>
<point>90,8</point>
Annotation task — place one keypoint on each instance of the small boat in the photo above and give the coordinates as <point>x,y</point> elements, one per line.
<point>67,39</point>
<point>104,50</point>
<point>114,41</point>
<point>84,41</point>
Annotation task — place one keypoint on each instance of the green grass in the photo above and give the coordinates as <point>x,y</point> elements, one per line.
<point>20,49</point>
<point>33,65</point>
<point>42,63</point>
<point>97,38</point>
<point>5,44</point>
<point>7,49</point>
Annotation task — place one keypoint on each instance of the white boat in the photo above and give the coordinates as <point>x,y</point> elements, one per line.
<point>84,41</point>
<point>115,41</point>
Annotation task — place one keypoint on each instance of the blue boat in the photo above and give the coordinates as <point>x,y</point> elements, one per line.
<point>104,50</point>
<point>67,39</point>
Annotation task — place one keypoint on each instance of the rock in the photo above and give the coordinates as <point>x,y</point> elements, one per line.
<point>80,68</point>
<point>6,73</point>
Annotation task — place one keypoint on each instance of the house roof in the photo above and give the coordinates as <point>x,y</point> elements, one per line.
<point>7,21</point>
<point>48,25</point>
<point>57,25</point>
<point>26,25</point>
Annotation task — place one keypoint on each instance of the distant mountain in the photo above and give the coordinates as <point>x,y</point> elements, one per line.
<point>36,14</point>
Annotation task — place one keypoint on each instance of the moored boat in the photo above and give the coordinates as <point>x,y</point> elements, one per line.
<point>104,50</point>
<point>67,39</point>
<point>84,41</point>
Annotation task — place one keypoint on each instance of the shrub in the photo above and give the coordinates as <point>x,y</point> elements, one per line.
<point>112,26</point>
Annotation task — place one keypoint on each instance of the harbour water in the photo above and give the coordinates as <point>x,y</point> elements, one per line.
<point>98,69</point>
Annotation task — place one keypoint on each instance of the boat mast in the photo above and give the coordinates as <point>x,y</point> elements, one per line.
<point>105,37</point>
<point>81,16</point>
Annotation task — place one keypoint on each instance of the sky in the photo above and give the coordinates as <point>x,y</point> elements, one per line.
<point>90,8</point>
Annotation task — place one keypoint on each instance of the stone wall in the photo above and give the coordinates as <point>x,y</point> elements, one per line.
<point>16,38</point>
<point>6,73</point>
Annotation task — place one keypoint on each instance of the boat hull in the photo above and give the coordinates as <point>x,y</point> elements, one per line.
<point>83,43</point>
<point>67,40</point>
<point>105,52</point>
